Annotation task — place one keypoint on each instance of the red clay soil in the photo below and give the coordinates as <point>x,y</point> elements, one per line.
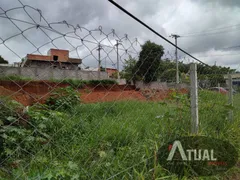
<point>29,93</point>
<point>99,96</point>
<point>143,95</point>
<point>21,98</point>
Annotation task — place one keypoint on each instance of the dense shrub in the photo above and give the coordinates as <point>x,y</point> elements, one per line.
<point>101,82</point>
<point>15,78</point>
<point>100,140</point>
<point>8,108</point>
<point>63,98</point>
<point>23,131</point>
<point>17,138</point>
<point>77,83</point>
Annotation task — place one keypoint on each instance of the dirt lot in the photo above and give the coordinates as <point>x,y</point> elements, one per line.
<point>29,93</point>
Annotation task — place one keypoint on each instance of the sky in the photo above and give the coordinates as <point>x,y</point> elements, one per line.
<point>209,30</point>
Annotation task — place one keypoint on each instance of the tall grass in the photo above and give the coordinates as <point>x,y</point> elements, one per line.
<point>75,83</point>
<point>78,83</point>
<point>119,140</point>
<point>15,78</point>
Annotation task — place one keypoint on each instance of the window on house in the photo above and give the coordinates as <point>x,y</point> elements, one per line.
<point>55,58</point>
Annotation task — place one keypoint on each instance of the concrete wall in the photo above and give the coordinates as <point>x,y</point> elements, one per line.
<point>159,85</point>
<point>47,64</point>
<point>49,73</point>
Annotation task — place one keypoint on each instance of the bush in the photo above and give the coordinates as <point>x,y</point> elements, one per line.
<point>77,83</point>
<point>23,133</point>
<point>102,82</point>
<point>17,138</point>
<point>15,78</point>
<point>63,98</point>
<point>9,108</point>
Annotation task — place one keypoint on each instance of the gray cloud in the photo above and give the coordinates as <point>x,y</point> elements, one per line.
<point>224,3</point>
<point>166,16</point>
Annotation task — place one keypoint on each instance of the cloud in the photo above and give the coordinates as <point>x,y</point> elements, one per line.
<point>221,3</point>
<point>184,17</point>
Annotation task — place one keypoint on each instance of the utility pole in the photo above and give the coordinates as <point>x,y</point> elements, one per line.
<point>99,60</point>
<point>117,44</point>
<point>175,36</point>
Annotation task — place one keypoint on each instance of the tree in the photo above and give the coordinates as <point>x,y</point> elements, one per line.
<point>114,75</point>
<point>102,69</point>
<point>148,65</point>
<point>166,64</point>
<point>3,61</point>
<point>168,70</point>
<point>168,75</point>
<point>129,70</point>
<point>213,74</point>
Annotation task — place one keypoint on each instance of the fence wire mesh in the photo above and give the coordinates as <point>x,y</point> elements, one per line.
<point>85,103</point>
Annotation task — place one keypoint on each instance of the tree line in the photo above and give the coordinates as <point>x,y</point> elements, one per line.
<point>151,67</point>
<point>3,61</point>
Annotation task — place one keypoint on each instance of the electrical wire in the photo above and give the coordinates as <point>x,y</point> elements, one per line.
<point>155,32</point>
<point>211,31</point>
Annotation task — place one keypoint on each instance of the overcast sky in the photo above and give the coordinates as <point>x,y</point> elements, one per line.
<point>209,29</point>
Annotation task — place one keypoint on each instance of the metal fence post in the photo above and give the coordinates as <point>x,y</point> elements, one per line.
<point>230,96</point>
<point>194,98</point>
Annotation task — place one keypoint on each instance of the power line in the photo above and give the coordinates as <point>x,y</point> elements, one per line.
<point>212,55</point>
<point>138,20</point>
<point>214,29</point>
<point>226,54</point>
<point>232,47</point>
<point>209,34</point>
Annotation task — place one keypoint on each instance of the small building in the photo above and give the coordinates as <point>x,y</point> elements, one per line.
<point>111,72</point>
<point>55,58</point>
<point>92,69</point>
<point>235,79</point>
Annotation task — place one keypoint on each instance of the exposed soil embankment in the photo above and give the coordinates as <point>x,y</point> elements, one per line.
<point>31,92</point>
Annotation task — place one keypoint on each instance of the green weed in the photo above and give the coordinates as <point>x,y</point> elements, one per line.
<point>116,140</point>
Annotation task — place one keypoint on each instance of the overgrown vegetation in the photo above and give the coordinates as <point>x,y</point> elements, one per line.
<point>150,66</point>
<point>3,61</point>
<point>15,78</point>
<point>129,70</point>
<point>63,98</point>
<point>75,83</point>
<point>147,67</point>
<point>103,140</point>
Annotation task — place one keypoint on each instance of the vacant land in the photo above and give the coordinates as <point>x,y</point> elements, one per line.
<point>117,140</point>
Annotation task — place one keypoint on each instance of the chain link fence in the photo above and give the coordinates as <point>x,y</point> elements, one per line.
<point>83,103</point>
